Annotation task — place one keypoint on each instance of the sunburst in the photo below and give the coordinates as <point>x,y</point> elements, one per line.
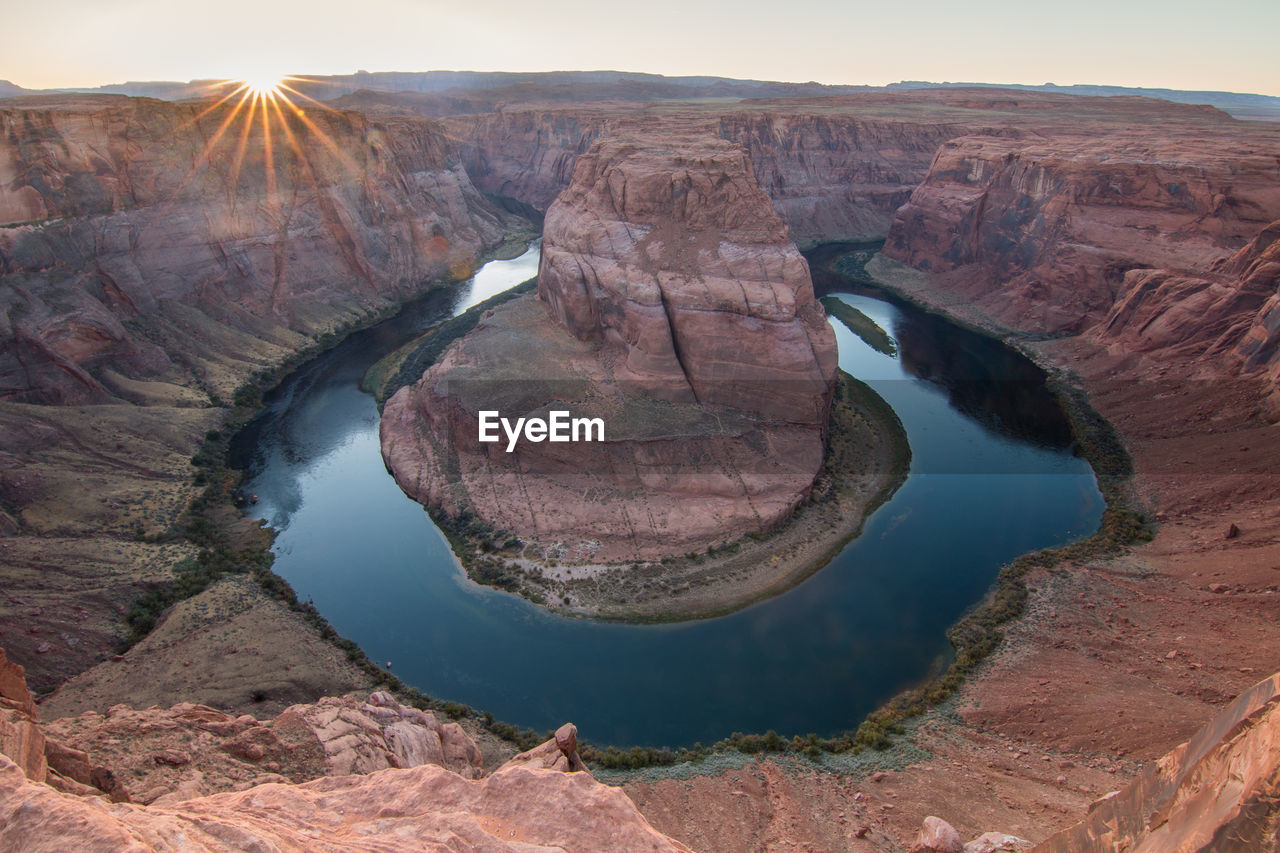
<point>264,100</point>
<point>264,85</point>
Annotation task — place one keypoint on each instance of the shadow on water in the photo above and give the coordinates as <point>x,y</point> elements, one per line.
<point>982,377</point>
<point>991,479</point>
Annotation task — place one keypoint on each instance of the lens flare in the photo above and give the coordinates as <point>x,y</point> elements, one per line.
<point>263,85</point>
<point>265,119</point>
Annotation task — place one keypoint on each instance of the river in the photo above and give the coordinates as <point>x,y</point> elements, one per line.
<point>993,476</point>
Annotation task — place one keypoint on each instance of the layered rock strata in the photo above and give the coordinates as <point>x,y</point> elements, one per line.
<point>143,241</point>
<point>672,305</point>
<point>192,750</point>
<point>832,174</point>
<point>382,779</point>
<point>836,168</point>
<point>1216,792</point>
<point>188,750</point>
<point>675,261</point>
<point>154,257</point>
<point>1048,235</point>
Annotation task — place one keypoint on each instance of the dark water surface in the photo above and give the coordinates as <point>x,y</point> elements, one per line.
<point>993,476</point>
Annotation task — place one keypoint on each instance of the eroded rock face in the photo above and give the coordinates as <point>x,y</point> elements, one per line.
<point>1256,268</point>
<point>676,259</point>
<point>423,808</point>
<point>673,307</point>
<point>139,243</point>
<point>1048,234</point>
<point>1217,792</point>
<point>414,805</point>
<point>20,737</point>
<point>361,737</point>
<point>40,758</point>
<point>832,174</point>
<point>837,177</point>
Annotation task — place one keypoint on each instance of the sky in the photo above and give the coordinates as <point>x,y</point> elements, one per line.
<point>1224,45</point>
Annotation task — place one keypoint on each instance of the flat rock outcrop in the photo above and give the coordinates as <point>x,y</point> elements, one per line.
<point>425,808</point>
<point>413,804</point>
<point>671,305</point>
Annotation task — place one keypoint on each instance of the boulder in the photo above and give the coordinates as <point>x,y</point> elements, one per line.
<point>937,836</point>
<point>559,753</point>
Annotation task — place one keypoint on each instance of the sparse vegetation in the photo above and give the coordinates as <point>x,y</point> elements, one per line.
<point>207,524</point>
<point>976,636</point>
<point>861,325</point>
<point>415,358</point>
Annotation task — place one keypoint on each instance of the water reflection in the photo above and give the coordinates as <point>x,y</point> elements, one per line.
<point>816,659</point>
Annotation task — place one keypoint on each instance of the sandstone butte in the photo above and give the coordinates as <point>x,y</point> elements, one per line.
<point>1125,243</point>
<point>672,305</point>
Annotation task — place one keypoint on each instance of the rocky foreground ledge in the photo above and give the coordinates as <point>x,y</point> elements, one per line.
<point>342,774</point>
<point>673,307</point>
<point>345,774</point>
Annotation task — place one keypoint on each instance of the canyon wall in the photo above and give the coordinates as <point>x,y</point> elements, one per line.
<point>524,154</point>
<point>836,168</point>
<point>1047,235</point>
<point>144,240</point>
<point>153,258</point>
<point>836,177</point>
<point>832,174</point>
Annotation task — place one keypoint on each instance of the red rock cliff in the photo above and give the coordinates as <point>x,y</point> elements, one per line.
<point>137,230</point>
<point>1040,233</point>
<point>836,177</point>
<point>383,777</point>
<point>832,173</point>
<point>675,257</point>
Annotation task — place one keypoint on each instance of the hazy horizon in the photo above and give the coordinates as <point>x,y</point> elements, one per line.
<point>1145,44</point>
<point>522,71</point>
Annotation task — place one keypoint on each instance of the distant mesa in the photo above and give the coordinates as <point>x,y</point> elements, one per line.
<point>673,305</point>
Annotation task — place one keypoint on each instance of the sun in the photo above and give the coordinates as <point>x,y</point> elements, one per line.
<point>263,85</point>
<point>278,111</point>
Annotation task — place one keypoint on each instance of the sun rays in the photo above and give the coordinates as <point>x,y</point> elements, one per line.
<point>264,85</point>
<point>263,117</point>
